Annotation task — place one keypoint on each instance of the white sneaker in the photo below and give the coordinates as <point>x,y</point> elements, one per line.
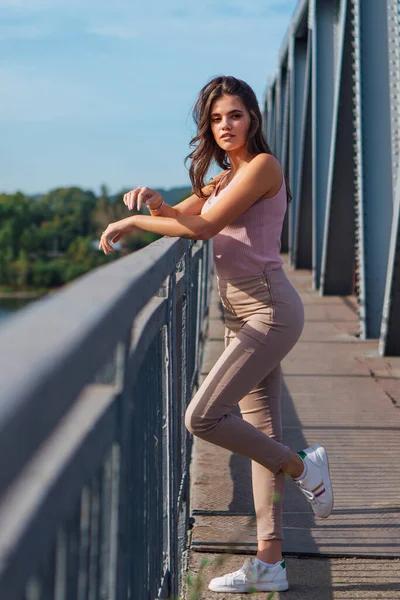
<point>253,576</point>
<point>316,482</point>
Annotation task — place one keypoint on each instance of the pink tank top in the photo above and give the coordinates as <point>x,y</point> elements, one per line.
<point>251,243</point>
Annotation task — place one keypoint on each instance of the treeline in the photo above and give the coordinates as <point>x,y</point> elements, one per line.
<point>49,240</point>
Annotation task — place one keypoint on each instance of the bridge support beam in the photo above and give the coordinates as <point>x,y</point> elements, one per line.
<point>343,89</point>
<point>323,20</point>
<point>337,266</point>
<point>389,343</point>
<point>301,221</point>
<point>374,179</point>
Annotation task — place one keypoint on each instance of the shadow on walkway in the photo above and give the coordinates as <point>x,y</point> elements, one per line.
<point>331,394</point>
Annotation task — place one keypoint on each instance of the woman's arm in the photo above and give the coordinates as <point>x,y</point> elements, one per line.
<point>185,220</point>
<point>194,204</point>
<point>191,227</point>
<point>165,211</point>
<point>255,180</point>
<point>186,226</point>
<point>191,206</point>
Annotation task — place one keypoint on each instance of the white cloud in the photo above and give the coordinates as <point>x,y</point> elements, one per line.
<point>211,9</point>
<point>26,4</point>
<point>126,20</point>
<point>68,5</point>
<point>87,97</point>
<point>26,32</point>
<point>120,31</point>
<point>158,8</point>
<point>35,5</point>
<point>30,95</point>
<point>213,29</point>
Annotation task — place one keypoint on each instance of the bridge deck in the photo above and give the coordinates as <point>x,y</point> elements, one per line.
<point>339,392</point>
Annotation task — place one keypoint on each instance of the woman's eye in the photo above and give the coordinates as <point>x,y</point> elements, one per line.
<point>215,119</point>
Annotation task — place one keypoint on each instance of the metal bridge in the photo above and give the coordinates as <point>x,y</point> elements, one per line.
<point>94,380</point>
<point>332,116</point>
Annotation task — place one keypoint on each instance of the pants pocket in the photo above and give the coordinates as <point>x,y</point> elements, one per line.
<point>258,328</point>
<point>268,286</point>
<point>222,292</point>
<point>251,296</point>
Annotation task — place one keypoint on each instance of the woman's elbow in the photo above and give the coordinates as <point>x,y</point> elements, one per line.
<point>205,233</point>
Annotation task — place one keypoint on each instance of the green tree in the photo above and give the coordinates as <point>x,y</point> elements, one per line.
<point>79,249</point>
<point>6,259</point>
<point>22,270</point>
<point>48,241</point>
<point>29,239</point>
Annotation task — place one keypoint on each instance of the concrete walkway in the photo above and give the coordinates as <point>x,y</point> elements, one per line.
<point>336,391</point>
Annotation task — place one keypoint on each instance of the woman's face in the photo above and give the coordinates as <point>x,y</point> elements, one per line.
<point>230,122</point>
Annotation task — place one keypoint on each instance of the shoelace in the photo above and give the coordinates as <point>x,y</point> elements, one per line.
<point>244,570</point>
<point>309,495</point>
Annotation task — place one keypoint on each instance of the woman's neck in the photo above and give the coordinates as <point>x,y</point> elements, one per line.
<point>239,161</point>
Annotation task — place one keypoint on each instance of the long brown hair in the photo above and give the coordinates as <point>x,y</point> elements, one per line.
<point>206,150</point>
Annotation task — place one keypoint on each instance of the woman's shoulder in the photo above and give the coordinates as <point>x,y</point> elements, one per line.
<point>269,161</point>
<point>273,171</point>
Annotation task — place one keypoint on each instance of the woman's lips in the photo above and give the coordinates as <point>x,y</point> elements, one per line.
<point>226,136</point>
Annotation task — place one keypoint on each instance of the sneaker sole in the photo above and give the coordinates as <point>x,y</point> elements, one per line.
<point>282,586</point>
<point>320,451</point>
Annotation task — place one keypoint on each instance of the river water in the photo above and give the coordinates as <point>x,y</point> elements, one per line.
<point>8,306</point>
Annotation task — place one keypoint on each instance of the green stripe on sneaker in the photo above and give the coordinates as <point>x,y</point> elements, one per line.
<point>283,564</point>
<point>302,454</point>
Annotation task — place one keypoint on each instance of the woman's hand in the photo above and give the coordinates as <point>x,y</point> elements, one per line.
<point>142,195</point>
<point>114,232</point>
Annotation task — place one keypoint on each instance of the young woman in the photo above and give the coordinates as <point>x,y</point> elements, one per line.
<point>242,209</point>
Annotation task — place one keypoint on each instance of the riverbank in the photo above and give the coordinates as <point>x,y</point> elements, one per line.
<point>8,293</point>
<point>19,295</point>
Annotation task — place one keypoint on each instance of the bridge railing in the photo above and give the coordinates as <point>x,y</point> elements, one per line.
<point>94,382</point>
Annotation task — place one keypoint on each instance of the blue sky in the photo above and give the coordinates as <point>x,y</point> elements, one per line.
<point>101,91</point>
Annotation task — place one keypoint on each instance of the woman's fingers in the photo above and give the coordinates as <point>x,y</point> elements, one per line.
<point>129,203</point>
<point>105,247</point>
<point>139,195</point>
<point>102,247</point>
<point>109,247</point>
<point>105,244</point>
<point>128,199</point>
<point>131,197</point>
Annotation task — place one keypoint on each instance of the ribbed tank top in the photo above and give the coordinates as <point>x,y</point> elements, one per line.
<point>251,243</point>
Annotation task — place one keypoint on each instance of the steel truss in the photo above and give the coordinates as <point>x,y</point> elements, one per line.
<point>332,117</point>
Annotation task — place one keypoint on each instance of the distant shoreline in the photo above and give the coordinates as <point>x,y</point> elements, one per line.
<point>21,295</point>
